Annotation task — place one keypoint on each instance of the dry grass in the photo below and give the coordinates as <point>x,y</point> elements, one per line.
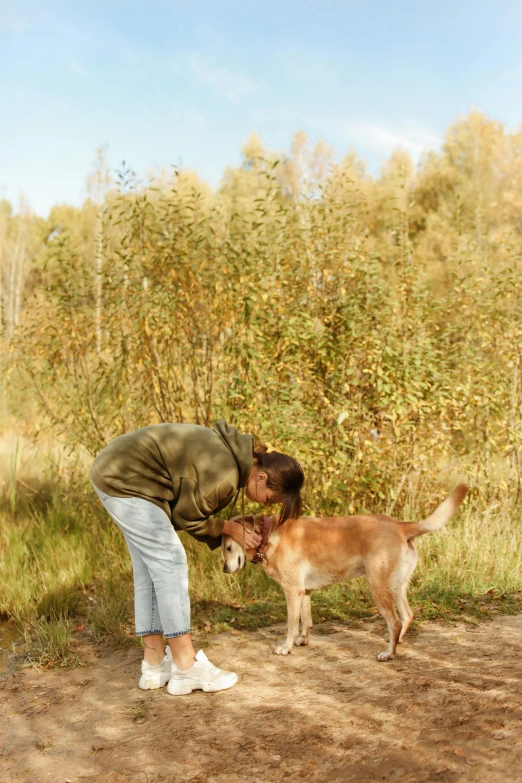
<point>63,562</point>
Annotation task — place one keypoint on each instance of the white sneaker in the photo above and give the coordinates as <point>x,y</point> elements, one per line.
<point>202,675</point>
<point>156,676</point>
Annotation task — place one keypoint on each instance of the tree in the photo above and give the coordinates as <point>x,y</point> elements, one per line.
<point>20,236</point>
<point>98,185</point>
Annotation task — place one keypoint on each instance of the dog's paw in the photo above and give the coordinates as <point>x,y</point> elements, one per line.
<point>301,641</point>
<point>385,656</point>
<point>282,649</point>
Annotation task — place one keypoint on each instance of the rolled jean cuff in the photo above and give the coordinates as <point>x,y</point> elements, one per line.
<point>173,635</point>
<point>149,633</point>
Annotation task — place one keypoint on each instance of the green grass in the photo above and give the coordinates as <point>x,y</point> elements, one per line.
<point>110,614</point>
<point>139,712</point>
<point>47,641</point>
<point>64,562</point>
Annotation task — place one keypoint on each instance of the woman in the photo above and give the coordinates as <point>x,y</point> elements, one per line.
<point>169,477</point>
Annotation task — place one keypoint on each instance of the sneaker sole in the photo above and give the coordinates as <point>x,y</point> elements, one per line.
<point>184,687</point>
<point>148,683</point>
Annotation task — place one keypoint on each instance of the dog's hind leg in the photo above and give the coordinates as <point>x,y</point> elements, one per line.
<point>306,621</point>
<point>294,598</point>
<point>409,561</point>
<point>384,598</point>
<point>405,611</point>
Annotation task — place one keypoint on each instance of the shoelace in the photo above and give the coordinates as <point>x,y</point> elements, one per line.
<point>205,664</point>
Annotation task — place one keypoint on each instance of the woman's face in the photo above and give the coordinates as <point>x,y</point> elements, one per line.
<point>257,490</point>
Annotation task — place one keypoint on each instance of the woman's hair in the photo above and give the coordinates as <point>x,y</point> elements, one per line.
<point>285,477</point>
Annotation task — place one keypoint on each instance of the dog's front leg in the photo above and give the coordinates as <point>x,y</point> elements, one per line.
<point>294,598</point>
<point>306,621</point>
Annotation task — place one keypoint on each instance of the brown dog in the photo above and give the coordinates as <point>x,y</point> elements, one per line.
<point>308,553</point>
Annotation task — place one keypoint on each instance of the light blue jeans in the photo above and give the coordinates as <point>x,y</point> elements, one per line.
<point>159,564</point>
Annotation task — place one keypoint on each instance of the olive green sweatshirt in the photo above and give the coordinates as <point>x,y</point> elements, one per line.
<point>189,471</point>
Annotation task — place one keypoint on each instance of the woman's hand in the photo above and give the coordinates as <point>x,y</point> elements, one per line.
<point>235,530</point>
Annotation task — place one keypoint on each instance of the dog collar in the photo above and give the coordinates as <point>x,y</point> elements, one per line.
<point>261,549</point>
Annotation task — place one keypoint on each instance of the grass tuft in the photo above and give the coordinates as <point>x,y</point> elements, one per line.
<point>139,712</point>
<point>48,643</point>
<point>110,614</point>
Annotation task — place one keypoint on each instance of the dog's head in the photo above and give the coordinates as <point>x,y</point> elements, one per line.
<point>234,556</point>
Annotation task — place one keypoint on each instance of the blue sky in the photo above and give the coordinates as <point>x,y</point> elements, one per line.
<point>164,81</point>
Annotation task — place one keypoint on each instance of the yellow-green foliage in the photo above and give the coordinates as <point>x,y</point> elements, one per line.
<point>370,327</point>
<point>65,563</point>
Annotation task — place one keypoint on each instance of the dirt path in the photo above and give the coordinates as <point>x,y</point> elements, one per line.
<point>448,709</point>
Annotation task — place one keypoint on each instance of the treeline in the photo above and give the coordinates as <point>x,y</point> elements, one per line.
<point>371,326</point>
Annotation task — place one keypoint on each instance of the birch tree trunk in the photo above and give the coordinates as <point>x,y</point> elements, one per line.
<point>20,264</point>
<point>97,186</point>
<point>14,266</point>
<point>98,279</point>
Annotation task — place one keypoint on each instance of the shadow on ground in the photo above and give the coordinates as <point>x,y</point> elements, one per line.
<point>448,709</point>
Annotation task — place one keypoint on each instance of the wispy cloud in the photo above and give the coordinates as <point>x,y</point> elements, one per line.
<point>298,66</point>
<point>379,138</point>
<point>23,98</point>
<point>227,83</point>
<point>14,21</point>
<point>275,114</point>
<point>415,140</point>
<point>512,75</point>
<point>77,68</point>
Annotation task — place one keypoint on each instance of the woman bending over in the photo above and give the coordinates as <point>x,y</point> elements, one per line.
<point>169,477</point>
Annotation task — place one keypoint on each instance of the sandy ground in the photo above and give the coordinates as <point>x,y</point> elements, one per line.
<point>448,709</point>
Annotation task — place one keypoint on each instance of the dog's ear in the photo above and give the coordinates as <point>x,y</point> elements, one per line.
<point>249,522</point>
<point>259,519</point>
<point>247,519</point>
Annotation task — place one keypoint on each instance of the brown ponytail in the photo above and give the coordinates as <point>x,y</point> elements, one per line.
<point>285,477</point>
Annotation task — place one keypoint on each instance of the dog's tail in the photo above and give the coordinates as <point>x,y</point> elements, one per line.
<point>439,517</point>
